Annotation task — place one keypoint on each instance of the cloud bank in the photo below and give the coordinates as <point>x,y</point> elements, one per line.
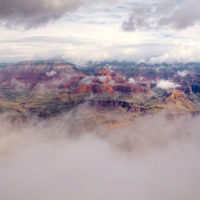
<point>61,159</point>
<point>167,13</point>
<point>36,12</point>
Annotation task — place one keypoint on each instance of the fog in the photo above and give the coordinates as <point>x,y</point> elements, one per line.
<point>77,156</point>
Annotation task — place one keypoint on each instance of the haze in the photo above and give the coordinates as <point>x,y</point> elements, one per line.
<point>59,159</point>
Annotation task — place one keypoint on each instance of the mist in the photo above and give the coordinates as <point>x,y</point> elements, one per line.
<point>77,156</point>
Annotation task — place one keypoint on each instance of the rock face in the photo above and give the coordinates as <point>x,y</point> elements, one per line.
<point>112,105</point>
<point>49,87</point>
<point>180,102</point>
<point>109,81</point>
<point>177,95</point>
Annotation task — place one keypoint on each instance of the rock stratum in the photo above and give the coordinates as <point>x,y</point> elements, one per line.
<point>48,88</point>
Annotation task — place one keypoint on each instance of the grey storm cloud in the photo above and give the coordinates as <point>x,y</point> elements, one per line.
<point>178,14</point>
<point>32,13</point>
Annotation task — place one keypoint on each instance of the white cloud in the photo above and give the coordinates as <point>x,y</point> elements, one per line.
<point>166,84</point>
<point>51,73</point>
<point>131,81</point>
<point>102,78</point>
<point>87,80</point>
<point>183,73</point>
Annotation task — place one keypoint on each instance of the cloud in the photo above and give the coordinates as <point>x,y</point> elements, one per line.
<point>180,53</point>
<point>183,73</point>
<point>131,81</point>
<point>51,73</point>
<point>102,78</point>
<point>36,12</point>
<point>167,13</point>
<point>112,82</point>
<point>93,43</point>
<point>19,86</point>
<point>60,158</point>
<point>166,84</point>
<point>87,80</point>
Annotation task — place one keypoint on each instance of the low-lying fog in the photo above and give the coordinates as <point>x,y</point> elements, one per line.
<point>60,159</point>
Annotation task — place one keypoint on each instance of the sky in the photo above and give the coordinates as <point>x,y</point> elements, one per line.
<point>79,31</point>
